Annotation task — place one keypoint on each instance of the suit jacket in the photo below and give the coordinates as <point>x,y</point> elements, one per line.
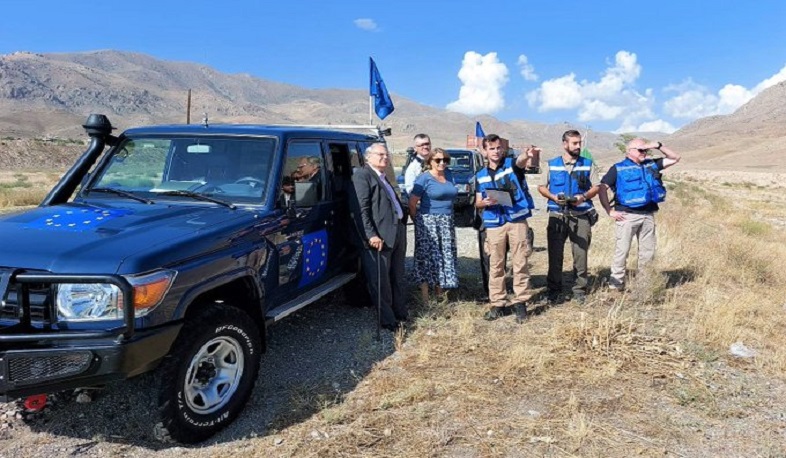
<point>373,210</point>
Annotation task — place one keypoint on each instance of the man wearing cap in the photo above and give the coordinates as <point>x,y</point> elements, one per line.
<point>568,188</point>
<point>638,189</point>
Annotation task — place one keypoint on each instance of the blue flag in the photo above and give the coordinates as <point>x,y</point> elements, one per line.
<point>479,130</point>
<point>383,105</point>
<point>315,252</point>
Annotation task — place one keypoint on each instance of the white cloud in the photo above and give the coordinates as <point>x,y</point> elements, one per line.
<point>771,81</point>
<point>693,101</point>
<point>611,97</point>
<point>482,79</point>
<point>598,109</point>
<point>366,24</point>
<point>557,94</point>
<point>657,125</point>
<point>526,69</point>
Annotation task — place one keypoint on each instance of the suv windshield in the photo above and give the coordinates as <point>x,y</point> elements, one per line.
<point>231,169</point>
<point>460,161</point>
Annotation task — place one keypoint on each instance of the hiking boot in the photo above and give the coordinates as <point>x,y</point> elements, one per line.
<point>554,299</point>
<point>521,312</point>
<point>494,313</point>
<point>580,299</point>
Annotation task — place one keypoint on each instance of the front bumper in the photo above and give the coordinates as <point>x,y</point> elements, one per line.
<point>47,366</point>
<point>37,357</point>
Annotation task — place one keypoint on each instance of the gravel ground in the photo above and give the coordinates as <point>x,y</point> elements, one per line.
<point>314,356</point>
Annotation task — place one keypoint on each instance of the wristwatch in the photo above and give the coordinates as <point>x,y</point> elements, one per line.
<point>660,145</point>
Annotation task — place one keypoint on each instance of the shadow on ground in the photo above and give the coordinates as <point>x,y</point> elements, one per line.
<point>314,358</point>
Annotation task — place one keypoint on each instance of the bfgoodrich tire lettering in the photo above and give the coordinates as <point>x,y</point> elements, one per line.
<point>209,374</point>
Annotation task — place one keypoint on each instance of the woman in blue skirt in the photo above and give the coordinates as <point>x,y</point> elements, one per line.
<point>435,244</point>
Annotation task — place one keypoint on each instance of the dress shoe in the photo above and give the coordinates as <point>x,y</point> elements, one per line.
<point>520,310</point>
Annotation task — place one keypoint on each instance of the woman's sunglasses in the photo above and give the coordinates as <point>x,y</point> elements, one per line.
<point>440,160</point>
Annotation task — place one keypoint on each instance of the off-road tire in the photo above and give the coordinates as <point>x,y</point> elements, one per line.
<point>190,410</point>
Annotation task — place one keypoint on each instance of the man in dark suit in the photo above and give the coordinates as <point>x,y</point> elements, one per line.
<point>378,216</point>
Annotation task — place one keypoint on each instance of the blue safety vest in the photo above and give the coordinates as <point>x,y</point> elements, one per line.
<point>638,184</point>
<point>570,184</point>
<point>505,179</point>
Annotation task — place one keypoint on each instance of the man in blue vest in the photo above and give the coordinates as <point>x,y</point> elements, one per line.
<point>568,187</point>
<point>506,204</point>
<point>638,190</point>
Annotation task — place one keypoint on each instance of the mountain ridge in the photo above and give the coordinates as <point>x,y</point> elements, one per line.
<point>50,95</point>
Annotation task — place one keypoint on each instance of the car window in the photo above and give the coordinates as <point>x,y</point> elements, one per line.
<point>304,164</point>
<point>237,169</point>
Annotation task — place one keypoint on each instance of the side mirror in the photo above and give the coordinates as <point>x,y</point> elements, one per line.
<point>306,194</point>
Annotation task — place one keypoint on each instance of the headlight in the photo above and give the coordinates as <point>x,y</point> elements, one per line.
<point>98,301</point>
<point>462,187</point>
<point>90,301</point>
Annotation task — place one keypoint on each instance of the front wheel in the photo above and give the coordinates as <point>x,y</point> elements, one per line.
<point>209,374</point>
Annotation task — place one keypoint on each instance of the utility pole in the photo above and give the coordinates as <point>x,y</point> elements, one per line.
<point>188,108</point>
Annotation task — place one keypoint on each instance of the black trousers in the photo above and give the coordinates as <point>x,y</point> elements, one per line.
<point>386,280</point>
<point>562,228</point>
<point>484,259</point>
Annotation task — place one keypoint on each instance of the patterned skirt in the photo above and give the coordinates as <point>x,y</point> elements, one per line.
<point>436,255</point>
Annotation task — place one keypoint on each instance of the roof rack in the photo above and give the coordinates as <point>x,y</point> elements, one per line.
<point>378,130</point>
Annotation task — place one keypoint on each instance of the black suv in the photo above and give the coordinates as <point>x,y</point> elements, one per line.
<point>177,249</point>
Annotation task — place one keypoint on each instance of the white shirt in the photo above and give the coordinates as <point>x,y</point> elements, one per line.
<point>414,169</point>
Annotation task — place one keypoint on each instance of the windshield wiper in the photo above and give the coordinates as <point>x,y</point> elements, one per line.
<point>198,196</point>
<point>120,192</point>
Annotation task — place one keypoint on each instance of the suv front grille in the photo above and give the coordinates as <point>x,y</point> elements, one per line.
<point>40,303</point>
<point>47,367</point>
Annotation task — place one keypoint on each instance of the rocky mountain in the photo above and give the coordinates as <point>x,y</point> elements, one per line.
<point>50,95</point>
<point>752,138</point>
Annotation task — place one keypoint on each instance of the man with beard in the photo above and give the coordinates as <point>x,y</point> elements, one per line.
<point>568,187</point>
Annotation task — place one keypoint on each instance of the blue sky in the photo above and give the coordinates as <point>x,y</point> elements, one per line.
<point>613,65</point>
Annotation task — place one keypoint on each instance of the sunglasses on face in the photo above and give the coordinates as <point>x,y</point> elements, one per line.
<point>640,150</point>
<point>423,144</point>
<point>440,160</point>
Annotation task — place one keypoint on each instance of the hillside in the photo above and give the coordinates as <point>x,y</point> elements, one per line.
<point>51,94</point>
<point>751,138</point>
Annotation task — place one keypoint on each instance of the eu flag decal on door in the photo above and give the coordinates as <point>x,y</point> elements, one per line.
<point>315,251</point>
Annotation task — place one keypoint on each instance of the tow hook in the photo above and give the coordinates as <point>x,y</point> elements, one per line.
<point>35,402</point>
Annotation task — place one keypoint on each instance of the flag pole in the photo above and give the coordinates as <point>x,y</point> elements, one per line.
<point>370,110</point>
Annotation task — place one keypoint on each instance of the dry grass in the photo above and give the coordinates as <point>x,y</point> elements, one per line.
<point>20,189</point>
<point>644,373</point>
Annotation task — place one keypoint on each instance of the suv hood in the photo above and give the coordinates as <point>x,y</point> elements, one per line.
<point>81,238</point>
<point>462,177</point>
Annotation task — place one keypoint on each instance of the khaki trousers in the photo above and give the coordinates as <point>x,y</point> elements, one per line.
<point>641,227</point>
<point>513,235</point>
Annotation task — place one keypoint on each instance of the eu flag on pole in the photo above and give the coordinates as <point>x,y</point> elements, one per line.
<point>383,105</point>
<point>479,130</point>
